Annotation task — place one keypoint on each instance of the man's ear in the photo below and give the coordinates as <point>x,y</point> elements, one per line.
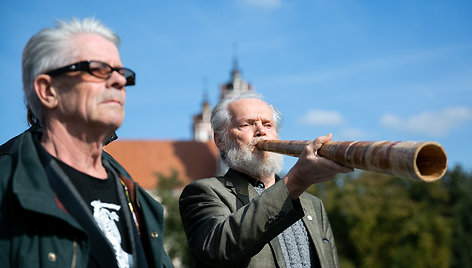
<point>218,141</point>
<point>46,93</point>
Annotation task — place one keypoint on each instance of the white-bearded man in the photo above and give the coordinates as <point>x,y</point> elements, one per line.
<point>250,217</point>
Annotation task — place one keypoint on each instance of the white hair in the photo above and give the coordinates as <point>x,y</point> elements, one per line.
<point>221,117</point>
<point>52,48</point>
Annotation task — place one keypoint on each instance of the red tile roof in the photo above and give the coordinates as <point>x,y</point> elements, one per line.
<point>144,158</point>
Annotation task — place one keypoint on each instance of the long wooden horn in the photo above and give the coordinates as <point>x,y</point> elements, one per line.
<point>425,161</point>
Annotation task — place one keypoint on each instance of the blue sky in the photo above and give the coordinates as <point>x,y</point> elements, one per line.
<point>362,70</point>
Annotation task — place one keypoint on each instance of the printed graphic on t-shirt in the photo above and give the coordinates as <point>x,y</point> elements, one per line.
<point>106,216</point>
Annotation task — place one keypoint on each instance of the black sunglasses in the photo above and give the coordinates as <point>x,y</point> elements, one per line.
<point>98,69</point>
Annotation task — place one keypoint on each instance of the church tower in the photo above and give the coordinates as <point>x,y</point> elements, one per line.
<point>236,85</point>
<point>201,123</point>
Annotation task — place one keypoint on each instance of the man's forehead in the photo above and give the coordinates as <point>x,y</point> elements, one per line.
<point>95,47</point>
<point>250,109</point>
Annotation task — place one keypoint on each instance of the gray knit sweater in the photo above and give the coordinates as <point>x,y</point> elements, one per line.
<point>296,247</point>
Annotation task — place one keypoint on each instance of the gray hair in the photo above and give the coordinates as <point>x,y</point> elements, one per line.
<point>221,117</point>
<point>52,48</point>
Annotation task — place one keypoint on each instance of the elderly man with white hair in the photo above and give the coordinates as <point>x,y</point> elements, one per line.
<point>250,217</point>
<point>64,202</point>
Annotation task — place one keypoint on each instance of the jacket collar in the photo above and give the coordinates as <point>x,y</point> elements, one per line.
<point>239,184</point>
<point>30,183</point>
<point>242,185</point>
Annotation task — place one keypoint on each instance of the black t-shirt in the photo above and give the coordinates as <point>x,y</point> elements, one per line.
<point>101,197</point>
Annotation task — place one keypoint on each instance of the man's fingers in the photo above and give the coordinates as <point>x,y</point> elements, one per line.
<point>318,142</point>
<point>339,168</point>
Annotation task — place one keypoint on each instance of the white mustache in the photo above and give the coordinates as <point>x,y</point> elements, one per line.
<point>254,141</point>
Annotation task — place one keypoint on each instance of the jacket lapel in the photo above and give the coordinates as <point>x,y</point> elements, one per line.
<point>240,186</point>
<point>277,249</point>
<point>310,221</point>
<point>47,190</point>
<point>245,192</point>
<point>31,186</point>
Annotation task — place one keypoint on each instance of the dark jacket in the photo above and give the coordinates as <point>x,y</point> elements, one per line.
<point>228,224</point>
<point>36,229</point>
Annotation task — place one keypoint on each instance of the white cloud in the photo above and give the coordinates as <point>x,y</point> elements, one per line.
<point>263,3</point>
<point>321,118</point>
<point>438,123</point>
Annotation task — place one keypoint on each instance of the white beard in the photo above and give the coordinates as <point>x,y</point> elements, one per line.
<point>253,163</point>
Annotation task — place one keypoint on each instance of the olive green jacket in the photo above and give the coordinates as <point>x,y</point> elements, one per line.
<point>228,224</point>
<point>35,228</point>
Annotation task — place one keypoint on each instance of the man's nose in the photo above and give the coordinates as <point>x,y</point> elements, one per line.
<point>260,130</point>
<point>117,80</point>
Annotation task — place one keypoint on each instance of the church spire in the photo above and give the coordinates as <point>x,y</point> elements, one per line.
<point>236,85</point>
<point>201,122</point>
<point>235,73</point>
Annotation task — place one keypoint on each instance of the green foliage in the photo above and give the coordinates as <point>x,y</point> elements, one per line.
<point>459,185</point>
<point>175,240</point>
<point>384,221</point>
